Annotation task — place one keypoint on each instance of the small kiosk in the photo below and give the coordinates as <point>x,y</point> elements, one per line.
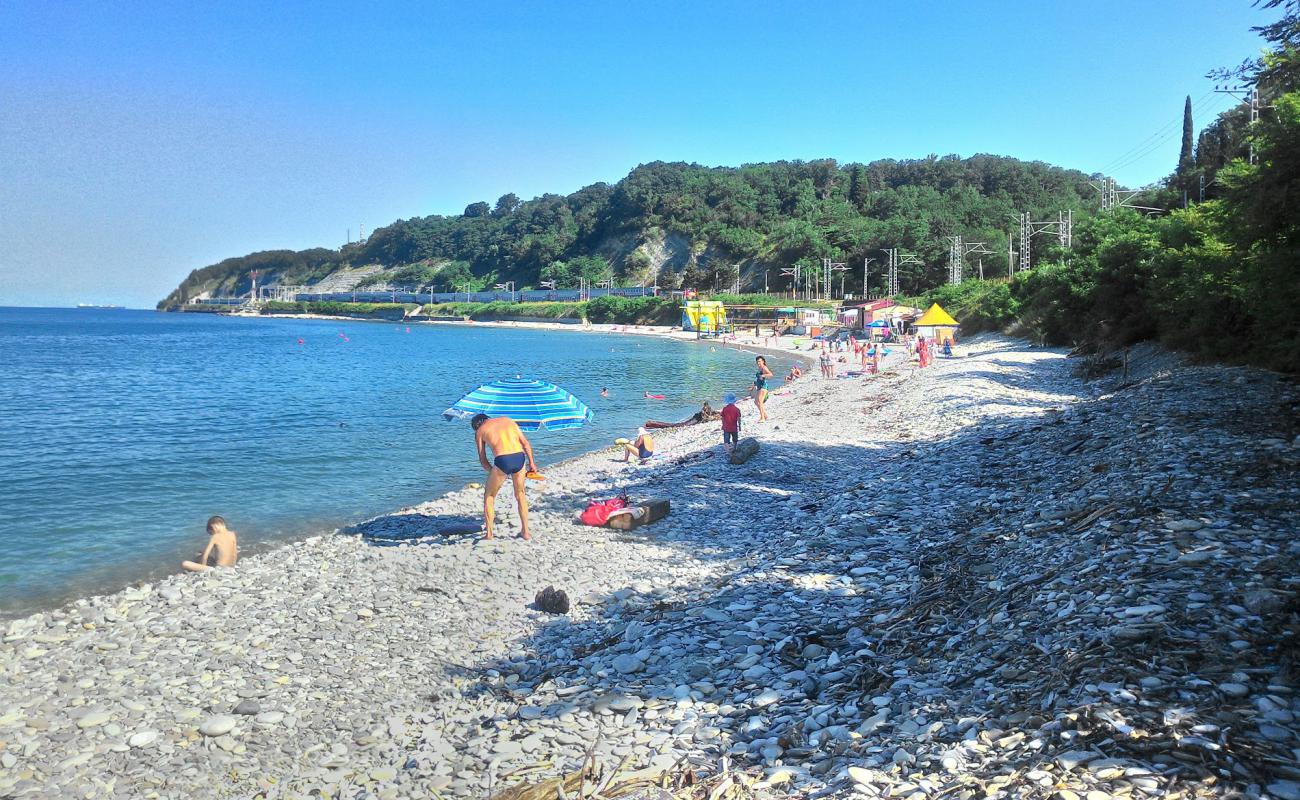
<point>937,325</point>
<point>705,317</point>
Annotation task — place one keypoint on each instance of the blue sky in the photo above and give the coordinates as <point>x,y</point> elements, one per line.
<point>139,141</point>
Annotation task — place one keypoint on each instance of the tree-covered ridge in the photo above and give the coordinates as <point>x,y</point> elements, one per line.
<point>689,224</point>
<point>1220,277</point>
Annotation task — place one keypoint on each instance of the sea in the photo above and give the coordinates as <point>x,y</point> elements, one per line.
<point>122,431</point>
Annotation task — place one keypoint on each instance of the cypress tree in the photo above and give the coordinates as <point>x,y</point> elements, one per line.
<point>1185,156</point>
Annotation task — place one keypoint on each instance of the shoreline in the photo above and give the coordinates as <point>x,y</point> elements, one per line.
<point>881,599</point>
<point>752,344</point>
<point>160,571</point>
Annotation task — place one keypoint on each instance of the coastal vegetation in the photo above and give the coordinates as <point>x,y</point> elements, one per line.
<point>689,226</point>
<point>1219,278</point>
<point>1209,263</point>
<point>336,309</point>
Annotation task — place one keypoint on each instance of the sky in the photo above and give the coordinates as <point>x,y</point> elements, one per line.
<point>140,141</point>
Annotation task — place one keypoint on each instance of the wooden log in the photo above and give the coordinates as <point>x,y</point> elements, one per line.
<point>744,450</point>
<point>650,511</point>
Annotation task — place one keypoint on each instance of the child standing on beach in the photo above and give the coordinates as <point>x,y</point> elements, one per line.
<point>221,539</point>
<point>730,422</point>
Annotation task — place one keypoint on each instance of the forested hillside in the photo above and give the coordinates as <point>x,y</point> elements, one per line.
<point>1220,277</point>
<point>689,225</point>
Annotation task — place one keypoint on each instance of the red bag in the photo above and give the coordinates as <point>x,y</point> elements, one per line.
<point>597,513</point>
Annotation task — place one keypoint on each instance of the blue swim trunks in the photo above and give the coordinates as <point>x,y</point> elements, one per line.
<point>510,463</point>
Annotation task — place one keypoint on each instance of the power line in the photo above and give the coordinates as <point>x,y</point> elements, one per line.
<point>1162,131</point>
<point>1155,146</point>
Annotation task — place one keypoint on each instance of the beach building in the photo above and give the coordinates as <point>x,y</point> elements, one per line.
<point>705,317</point>
<point>893,313</point>
<point>936,324</point>
<point>857,313</point>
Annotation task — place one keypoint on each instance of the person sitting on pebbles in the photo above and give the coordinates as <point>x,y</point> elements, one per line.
<point>643,447</point>
<point>221,539</point>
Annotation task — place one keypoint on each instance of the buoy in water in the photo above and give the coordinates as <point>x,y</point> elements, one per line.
<point>300,341</point>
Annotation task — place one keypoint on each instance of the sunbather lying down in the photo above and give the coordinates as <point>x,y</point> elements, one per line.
<point>643,447</point>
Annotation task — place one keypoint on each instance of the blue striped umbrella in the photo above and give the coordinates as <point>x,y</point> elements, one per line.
<point>532,404</point>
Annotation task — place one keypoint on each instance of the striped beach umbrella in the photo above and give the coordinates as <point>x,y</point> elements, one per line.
<point>532,404</point>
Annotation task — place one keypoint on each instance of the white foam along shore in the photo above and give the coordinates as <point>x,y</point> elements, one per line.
<point>983,576</point>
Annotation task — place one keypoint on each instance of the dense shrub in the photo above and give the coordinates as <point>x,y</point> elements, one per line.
<point>634,310</point>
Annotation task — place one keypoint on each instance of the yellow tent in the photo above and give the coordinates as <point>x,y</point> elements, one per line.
<point>934,317</point>
<point>936,324</point>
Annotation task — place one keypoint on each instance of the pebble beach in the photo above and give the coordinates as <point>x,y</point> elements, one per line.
<point>989,578</point>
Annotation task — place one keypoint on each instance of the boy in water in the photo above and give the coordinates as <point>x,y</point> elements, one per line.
<point>221,539</point>
<point>511,452</point>
<point>730,422</point>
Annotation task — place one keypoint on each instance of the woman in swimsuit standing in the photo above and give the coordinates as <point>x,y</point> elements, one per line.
<point>760,387</point>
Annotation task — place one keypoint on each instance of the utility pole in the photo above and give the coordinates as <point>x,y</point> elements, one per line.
<point>1112,197</point>
<point>793,274</point>
<point>1063,226</point>
<point>1252,98</point>
<point>957,252</point>
<point>866,262</point>
<point>1025,235</point>
<point>897,259</point>
<point>829,267</point>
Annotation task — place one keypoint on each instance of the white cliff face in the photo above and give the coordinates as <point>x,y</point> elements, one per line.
<point>984,576</point>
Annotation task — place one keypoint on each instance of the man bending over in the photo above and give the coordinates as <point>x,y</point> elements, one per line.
<point>511,453</point>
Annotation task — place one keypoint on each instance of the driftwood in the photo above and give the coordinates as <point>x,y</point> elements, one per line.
<point>635,516</point>
<point>744,449</point>
<point>705,414</point>
<point>681,781</point>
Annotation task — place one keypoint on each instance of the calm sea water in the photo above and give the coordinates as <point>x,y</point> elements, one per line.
<point>121,432</point>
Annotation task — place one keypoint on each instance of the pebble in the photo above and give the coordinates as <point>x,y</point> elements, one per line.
<point>247,708</point>
<point>628,663</point>
<point>896,632</point>
<point>218,725</point>
<point>93,719</point>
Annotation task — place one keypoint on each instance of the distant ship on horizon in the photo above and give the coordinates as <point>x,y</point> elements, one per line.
<point>96,305</point>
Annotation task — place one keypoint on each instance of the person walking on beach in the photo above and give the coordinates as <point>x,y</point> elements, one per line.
<point>511,452</point>
<point>730,422</point>
<point>826,364</point>
<point>220,539</point>
<point>760,387</point>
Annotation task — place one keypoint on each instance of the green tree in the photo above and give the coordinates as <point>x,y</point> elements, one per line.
<point>1185,155</point>
<point>479,209</point>
<point>452,277</point>
<point>506,205</point>
<point>858,189</point>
